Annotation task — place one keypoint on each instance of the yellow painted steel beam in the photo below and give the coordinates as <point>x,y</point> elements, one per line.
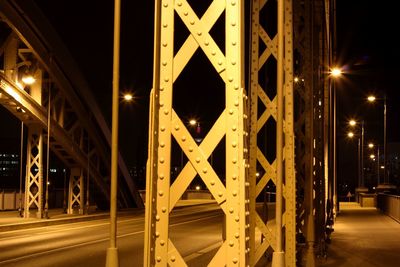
<point>165,124</point>
<point>258,122</point>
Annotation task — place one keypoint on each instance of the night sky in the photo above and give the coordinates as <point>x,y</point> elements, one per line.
<point>366,50</point>
<point>368,53</point>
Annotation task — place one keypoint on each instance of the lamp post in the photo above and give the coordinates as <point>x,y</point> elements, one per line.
<point>335,73</point>
<point>361,188</point>
<point>386,183</point>
<point>112,252</point>
<point>371,146</point>
<point>20,170</point>
<point>351,135</point>
<point>46,205</point>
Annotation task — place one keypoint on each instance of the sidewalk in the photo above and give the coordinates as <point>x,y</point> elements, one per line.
<point>10,220</point>
<point>363,237</point>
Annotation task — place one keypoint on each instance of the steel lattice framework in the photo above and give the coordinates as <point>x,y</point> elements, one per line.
<point>313,126</point>
<point>262,64</point>
<point>306,104</point>
<point>165,125</point>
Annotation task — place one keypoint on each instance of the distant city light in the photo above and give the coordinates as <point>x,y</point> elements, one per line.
<point>352,122</point>
<point>198,187</point>
<point>372,156</point>
<point>350,134</point>
<point>296,79</point>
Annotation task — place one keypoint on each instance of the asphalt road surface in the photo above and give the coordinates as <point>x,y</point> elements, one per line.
<point>196,232</point>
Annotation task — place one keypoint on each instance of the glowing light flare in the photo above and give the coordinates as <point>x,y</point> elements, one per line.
<point>370,145</point>
<point>352,122</point>
<point>336,72</point>
<point>28,79</point>
<point>128,97</point>
<point>350,134</point>
<point>371,98</point>
<point>192,122</point>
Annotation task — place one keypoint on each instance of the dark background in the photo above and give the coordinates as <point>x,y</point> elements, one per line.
<point>368,54</point>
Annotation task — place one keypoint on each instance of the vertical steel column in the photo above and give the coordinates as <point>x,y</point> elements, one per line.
<point>304,127</point>
<point>285,132</point>
<point>235,161</point>
<point>34,172</point>
<point>165,123</point>
<point>151,164</point>
<point>278,257</point>
<point>289,192</point>
<point>76,191</point>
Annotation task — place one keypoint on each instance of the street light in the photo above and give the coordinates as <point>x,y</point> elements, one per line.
<point>372,99</point>
<point>128,97</point>
<point>351,135</point>
<point>28,78</point>
<point>361,187</point>
<point>192,123</point>
<point>335,73</point>
<point>371,145</point>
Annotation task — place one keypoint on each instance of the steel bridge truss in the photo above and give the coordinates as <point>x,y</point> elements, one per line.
<point>165,124</point>
<point>306,96</point>
<point>264,99</point>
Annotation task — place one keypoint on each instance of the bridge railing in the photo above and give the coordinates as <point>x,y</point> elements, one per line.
<point>389,205</point>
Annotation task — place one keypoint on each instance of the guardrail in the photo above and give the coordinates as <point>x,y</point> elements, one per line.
<point>389,205</point>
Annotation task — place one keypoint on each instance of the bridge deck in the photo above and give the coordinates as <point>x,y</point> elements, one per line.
<point>363,237</point>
